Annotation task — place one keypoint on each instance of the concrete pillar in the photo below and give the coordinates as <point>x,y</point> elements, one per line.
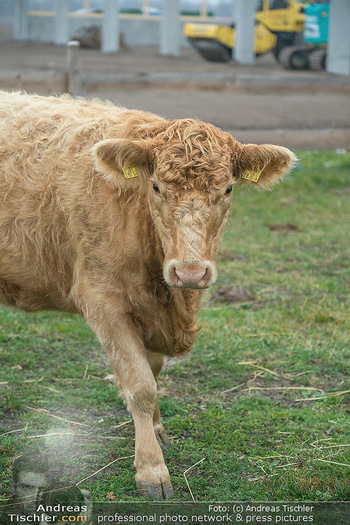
<point>110,26</point>
<point>338,51</point>
<point>204,8</point>
<point>170,28</point>
<point>73,68</point>
<point>245,27</point>
<point>61,21</point>
<point>20,20</point>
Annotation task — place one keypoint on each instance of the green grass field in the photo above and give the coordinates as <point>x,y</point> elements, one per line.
<point>260,408</point>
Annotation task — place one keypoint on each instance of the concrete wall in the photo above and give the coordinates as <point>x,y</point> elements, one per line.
<point>6,8</point>
<point>6,20</point>
<point>6,28</point>
<point>135,31</point>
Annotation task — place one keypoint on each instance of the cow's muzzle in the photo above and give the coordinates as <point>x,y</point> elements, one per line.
<point>190,274</point>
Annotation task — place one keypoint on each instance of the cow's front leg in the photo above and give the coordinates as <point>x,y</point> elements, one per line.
<point>138,386</point>
<point>156,362</point>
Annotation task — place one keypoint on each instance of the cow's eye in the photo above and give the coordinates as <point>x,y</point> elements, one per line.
<point>156,189</point>
<point>228,191</point>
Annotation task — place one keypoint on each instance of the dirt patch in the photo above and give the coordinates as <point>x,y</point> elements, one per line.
<point>284,227</point>
<point>233,294</point>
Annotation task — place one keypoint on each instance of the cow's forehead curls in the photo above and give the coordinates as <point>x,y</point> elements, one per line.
<point>193,147</point>
<point>194,138</point>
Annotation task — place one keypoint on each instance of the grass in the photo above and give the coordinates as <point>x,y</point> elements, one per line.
<point>263,399</point>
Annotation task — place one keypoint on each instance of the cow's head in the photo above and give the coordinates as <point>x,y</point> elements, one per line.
<point>189,170</point>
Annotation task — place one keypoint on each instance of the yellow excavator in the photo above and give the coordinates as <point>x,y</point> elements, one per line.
<point>279,23</point>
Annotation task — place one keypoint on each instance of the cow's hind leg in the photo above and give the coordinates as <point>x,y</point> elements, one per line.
<point>137,384</point>
<point>156,362</point>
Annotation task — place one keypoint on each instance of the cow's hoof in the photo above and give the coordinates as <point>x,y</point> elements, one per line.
<point>163,440</point>
<point>155,490</point>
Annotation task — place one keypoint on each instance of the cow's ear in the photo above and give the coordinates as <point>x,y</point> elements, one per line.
<point>123,160</point>
<point>262,166</point>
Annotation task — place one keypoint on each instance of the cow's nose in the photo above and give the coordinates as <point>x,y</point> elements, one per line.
<point>189,274</point>
<point>189,278</point>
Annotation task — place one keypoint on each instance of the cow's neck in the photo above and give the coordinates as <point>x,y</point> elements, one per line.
<point>186,304</point>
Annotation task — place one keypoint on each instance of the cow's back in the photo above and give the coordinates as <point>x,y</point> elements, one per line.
<point>52,199</point>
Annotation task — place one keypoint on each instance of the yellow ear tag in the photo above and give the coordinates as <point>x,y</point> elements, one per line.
<point>254,175</point>
<point>130,173</point>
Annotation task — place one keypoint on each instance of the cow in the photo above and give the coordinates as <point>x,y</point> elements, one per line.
<point>117,214</point>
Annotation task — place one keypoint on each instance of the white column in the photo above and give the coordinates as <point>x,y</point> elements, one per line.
<point>61,21</point>
<point>170,28</point>
<point>73,68</point>
<point>338,51</point>
<point>233,10</point>
<point>204,8</point>
<point>20,20</point>
<point>110,26</point>
<point>245,26</point>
